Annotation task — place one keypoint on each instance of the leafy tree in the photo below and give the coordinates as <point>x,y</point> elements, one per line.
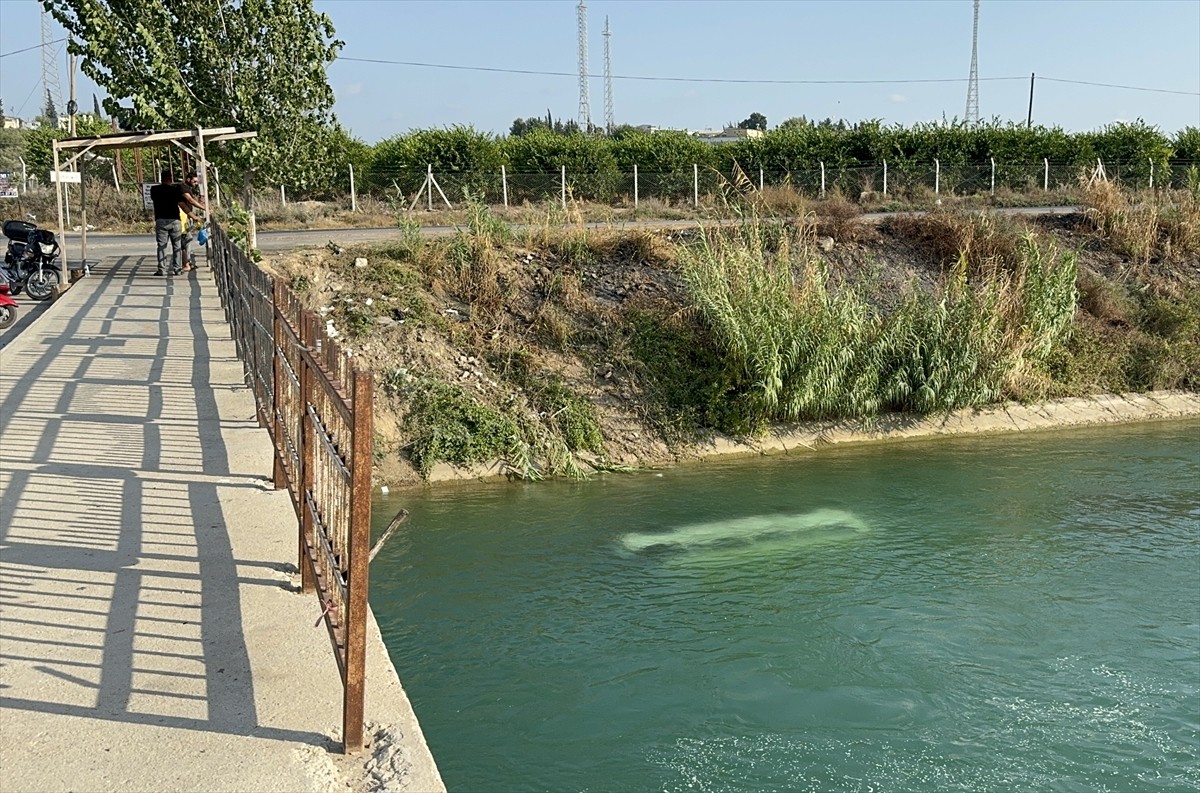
<point>49,111</point>
<point>755,121</point>
<point>252,64</point>
<point>524,126</point>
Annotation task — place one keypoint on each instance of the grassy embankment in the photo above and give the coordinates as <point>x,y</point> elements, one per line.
<point>561,350</point>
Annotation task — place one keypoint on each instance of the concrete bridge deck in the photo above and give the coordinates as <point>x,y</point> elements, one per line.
<point>151,636</point>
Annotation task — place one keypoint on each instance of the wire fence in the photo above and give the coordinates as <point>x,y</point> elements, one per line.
<point>431,189</point>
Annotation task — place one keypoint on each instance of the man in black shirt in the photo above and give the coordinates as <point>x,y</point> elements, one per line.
<point>169,201</point>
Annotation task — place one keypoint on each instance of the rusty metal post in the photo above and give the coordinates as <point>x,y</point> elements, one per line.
<point>307,453</point>
<point>359,565</point>
<point>277,427</point>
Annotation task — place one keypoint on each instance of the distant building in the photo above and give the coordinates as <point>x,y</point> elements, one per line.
<point>13,123</point>
<point>727,135</point>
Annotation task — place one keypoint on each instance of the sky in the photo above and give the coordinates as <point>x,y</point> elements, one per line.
<point>867,45</point>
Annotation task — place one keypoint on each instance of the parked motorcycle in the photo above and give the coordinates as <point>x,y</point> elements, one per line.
<point>31,260</point>
<point>8,308</point>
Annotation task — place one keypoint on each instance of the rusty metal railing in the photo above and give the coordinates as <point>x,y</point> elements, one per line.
<point>317,408</point>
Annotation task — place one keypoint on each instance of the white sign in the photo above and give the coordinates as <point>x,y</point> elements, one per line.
<point>146,202</point>
<point>66,177</point>
<point>7,188</point>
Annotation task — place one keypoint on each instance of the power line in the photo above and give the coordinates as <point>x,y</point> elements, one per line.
<point>666,79</point>
<point>34,47</point>
<point>1125,87</point>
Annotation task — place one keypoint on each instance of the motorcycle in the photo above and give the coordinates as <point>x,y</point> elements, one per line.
<point>8,308</point>
<point>31,260</point>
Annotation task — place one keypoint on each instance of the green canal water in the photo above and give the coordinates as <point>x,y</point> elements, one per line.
<point>1016,613</point>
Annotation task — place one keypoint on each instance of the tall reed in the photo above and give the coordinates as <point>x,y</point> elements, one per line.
<point>797,348</point>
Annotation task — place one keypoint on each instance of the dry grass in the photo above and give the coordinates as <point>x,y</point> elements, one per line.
<point>1145,225</point>
<point>985,241</point>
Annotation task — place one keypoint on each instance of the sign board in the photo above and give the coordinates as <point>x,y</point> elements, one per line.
<point>8,188</point>
<point>66,177</point>
<point>146,202</point>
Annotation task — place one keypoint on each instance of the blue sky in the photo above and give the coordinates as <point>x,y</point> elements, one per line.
<point>1147,44</point>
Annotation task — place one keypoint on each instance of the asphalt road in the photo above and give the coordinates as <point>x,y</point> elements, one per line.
<point>102,245</point>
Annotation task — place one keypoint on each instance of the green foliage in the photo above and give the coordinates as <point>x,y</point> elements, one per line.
<point>755,121</point>
<point>449,425</point>
<point>796,349</point>
<point>252,64</point>
<point>591,167</point>
<point>451,150</point>
<point>687,386</point>
<point>523,126</point>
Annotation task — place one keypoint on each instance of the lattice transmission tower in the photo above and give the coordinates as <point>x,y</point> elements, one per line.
<point>972,114</point>
<point>609,123</point>
<point>585,105</point>
<point>50,86</point>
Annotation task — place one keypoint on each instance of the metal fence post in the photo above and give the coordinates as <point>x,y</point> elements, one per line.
<point>822,180</point>
<point>282,195</point>
<point>635,186</point>
<point>760,180</point>
<point>353,194</point>
<point>563,180</point>
<point>937,176</point>
<point>993,159</point>
<point>1151,172</point>
<point>504,185</point>
<point>1046,175</point>
<point>695,185</point>
<point>885,177</point>
<point>279,479</point>
<point>307,334</point>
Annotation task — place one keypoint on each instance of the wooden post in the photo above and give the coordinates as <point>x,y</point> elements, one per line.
<point>58,194</point>
<point>359,565</point>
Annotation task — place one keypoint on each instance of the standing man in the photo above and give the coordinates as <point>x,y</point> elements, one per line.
<point>169,201</point>
<point>191,194</point>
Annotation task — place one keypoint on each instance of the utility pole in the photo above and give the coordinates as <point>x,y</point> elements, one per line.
<point>71,104</point>
<point>1029,118</point>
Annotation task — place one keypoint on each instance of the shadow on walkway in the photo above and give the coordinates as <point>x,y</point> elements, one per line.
<point>120,588</point>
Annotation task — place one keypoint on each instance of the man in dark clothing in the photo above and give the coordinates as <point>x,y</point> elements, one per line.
<point>169,201</point>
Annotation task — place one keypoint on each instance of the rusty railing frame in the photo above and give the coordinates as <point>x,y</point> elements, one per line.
<point>317,408</point>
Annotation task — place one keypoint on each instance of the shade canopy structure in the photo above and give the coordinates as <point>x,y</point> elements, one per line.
<point>192,141</point>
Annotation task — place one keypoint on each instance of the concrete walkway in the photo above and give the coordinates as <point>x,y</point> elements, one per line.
<point>151,637</point>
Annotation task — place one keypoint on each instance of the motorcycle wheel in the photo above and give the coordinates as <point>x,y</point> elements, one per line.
<point>41,287</point>
<point>8,315</point>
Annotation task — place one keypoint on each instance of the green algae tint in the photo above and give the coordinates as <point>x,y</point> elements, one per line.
<point>1010,613</point>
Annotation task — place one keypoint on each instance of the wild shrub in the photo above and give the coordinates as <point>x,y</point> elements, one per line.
<point>796,348</point>
<point>447,424</point>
